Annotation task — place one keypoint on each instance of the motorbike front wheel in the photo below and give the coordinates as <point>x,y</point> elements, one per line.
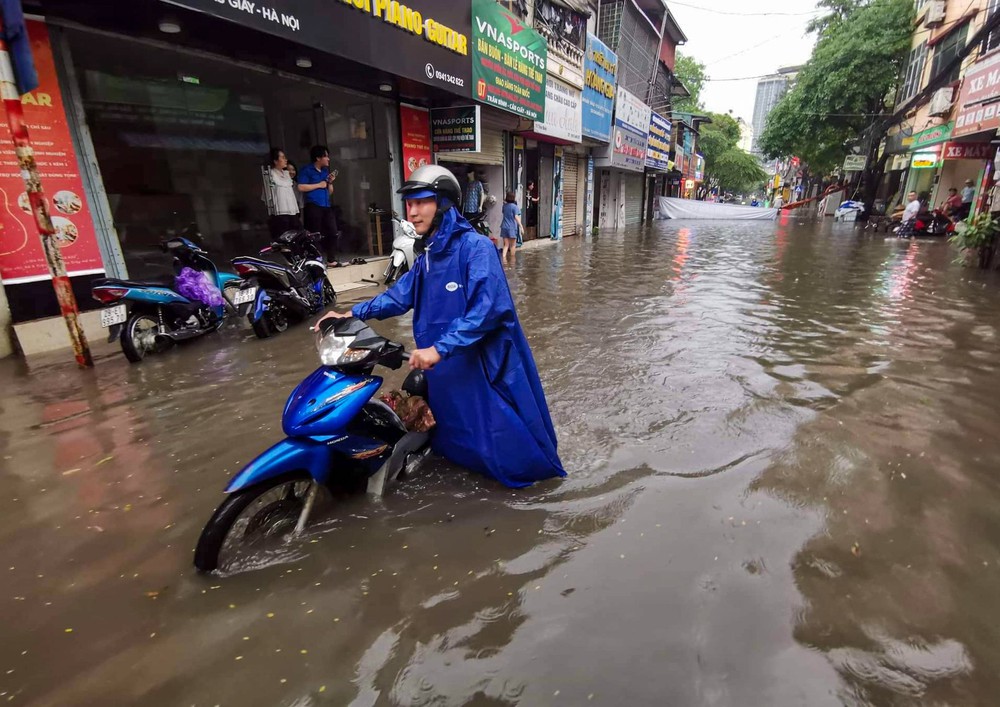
<point>249,520</point>
<point>139,336</point>
<point>329,294</point>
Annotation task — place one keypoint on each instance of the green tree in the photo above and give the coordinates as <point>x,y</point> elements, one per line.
<point>738,171</point>
<point>844,93</point>
<point>691,73</point>
<point>716,139</point>
<point>837,12</point>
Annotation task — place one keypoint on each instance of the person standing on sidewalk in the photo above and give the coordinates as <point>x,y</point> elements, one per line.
<point>283,204</point>
<point>316,183</point>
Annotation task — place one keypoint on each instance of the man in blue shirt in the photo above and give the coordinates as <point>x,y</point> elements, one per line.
<point>316,184</point>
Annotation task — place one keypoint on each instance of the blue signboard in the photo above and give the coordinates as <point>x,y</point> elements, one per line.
<point>658,145</point>
<point>600,70</point>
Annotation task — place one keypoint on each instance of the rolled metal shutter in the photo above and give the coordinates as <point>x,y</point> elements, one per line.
<point>492,152</point>
<point>633,198</point>
<point>571,186</point>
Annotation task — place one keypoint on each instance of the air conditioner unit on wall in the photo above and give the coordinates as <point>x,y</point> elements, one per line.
<point>941,101</point>
<point>935,13</point>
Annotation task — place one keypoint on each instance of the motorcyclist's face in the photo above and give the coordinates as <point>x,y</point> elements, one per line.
<point>421,212</point>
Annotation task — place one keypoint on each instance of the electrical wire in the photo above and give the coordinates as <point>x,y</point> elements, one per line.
<point>746,14</point>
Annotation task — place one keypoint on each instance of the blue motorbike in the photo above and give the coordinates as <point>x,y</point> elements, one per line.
<point>149,316</point>
<point>338,438</point>
<point>287,291</point>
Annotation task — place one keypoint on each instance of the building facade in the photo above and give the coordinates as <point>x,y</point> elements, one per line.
<point>770,89</point>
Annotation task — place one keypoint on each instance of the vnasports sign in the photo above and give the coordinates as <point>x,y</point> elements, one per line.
<point>423,40</point>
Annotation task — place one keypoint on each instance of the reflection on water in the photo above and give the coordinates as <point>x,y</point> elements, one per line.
<point>781,444</point>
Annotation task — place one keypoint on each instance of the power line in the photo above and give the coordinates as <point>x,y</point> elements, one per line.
<point>746,14</point>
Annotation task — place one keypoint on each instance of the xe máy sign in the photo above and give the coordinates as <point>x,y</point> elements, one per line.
<point>508,61</point>
<point>981,85</point>
<point>968,151</point>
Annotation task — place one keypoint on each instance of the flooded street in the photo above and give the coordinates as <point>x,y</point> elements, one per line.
<point>782,453</point>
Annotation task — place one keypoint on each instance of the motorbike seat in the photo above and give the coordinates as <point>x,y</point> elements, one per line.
<point>260,262</point>
<point>162,281</point>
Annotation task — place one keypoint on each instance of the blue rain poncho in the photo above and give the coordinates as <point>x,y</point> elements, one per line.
<point>485,393</point>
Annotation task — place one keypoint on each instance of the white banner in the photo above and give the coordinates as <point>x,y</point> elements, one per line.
<point>563,111</point>
<point>669,207</point>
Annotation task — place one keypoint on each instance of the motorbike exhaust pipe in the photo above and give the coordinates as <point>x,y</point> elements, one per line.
<point>172,337</point>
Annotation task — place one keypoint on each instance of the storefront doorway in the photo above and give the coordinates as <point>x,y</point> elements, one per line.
<point>180,139</point>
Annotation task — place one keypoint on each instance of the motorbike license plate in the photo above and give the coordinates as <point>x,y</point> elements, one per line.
<point>245,296</point>
<point>114,315</point>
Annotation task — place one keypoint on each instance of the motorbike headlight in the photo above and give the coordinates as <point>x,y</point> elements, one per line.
<point>331,348</point>
<point>352,356</point>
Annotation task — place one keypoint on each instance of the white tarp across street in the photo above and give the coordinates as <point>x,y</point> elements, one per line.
<point>669,207</point>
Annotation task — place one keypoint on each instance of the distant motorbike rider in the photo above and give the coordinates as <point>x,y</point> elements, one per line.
<point>483,386</point>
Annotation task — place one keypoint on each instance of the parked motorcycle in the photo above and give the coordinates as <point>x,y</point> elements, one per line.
<point>287,291</point>
<point>934,223</point>
<point>149,316</point>
<point>337,437</point>
<point>479,221</point>
<point>403,255</point>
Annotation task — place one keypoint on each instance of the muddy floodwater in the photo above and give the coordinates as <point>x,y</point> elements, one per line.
<point>784,489</point>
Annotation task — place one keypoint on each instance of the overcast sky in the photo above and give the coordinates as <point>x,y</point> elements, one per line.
<point>743,43</point>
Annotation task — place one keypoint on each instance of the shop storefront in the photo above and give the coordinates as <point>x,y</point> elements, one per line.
<point>621,164</point>
<point>172,108</point>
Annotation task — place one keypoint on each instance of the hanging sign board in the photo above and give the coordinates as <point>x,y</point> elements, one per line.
<point>600,69</point>
<point>508,61</point>
<point>415,129</point>
<point>968,151</point>
<point>21,256</point>
<point>424,40</point>
<point>456,129</point>
<point>658,147</point>
<point>924,160</point>
<point>855,163</point>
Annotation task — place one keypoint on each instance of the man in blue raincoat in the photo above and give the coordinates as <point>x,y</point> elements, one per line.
<point>483,386</point>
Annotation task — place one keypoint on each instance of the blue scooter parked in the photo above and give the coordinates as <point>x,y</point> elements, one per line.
<point>148,316</point>
<point>338,437</point>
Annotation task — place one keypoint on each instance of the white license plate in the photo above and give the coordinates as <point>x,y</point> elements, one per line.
<point>244,296</point>
<point>114,315</point>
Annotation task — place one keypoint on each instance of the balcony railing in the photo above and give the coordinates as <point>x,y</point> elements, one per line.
<point>566,51</point>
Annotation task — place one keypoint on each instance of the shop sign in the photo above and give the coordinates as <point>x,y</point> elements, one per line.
<point>415,126</point>
<point>562,112</point>
<point>658,147</point>
<point>699,168</point>
<point>924,160</point>
<point>518,180</point>
<point>980,85</point>
<point>423,40</point>
<point>21,255</point>
<point>600,69</point>
<point>932,136</point>
<point>629,135</point>
<point>968,151</point>
<point>508,61</point>
<point>855,163</point>
<point>456,129</point>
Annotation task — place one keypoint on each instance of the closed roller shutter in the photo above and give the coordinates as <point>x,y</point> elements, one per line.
<point>491,141</point>
<point>571,186</point>
<point>633,198</point>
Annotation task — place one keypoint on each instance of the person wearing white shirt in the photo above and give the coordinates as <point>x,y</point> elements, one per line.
<point>909,218</point>
<point>280,195</point>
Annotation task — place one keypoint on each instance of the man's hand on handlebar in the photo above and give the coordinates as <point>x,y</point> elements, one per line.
<point>331,315</point>
<point>424,359</point>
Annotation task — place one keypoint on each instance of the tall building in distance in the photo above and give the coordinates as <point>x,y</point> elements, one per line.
<point>770,89</point>
<point>746,135</point>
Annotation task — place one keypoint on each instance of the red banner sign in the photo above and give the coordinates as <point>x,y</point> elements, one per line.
<point>981,84</point>
<point>968,151</point>
<point>21,257</point>
<point>415,126</point>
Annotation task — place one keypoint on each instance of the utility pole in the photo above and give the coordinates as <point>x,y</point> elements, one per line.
<point>11,96</point>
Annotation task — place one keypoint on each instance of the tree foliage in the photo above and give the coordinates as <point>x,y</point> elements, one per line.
<point>738,171</point>
<point>847,84</point>
<point>717,138</point>
<point>837,12</point>
<point>691,73</point>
